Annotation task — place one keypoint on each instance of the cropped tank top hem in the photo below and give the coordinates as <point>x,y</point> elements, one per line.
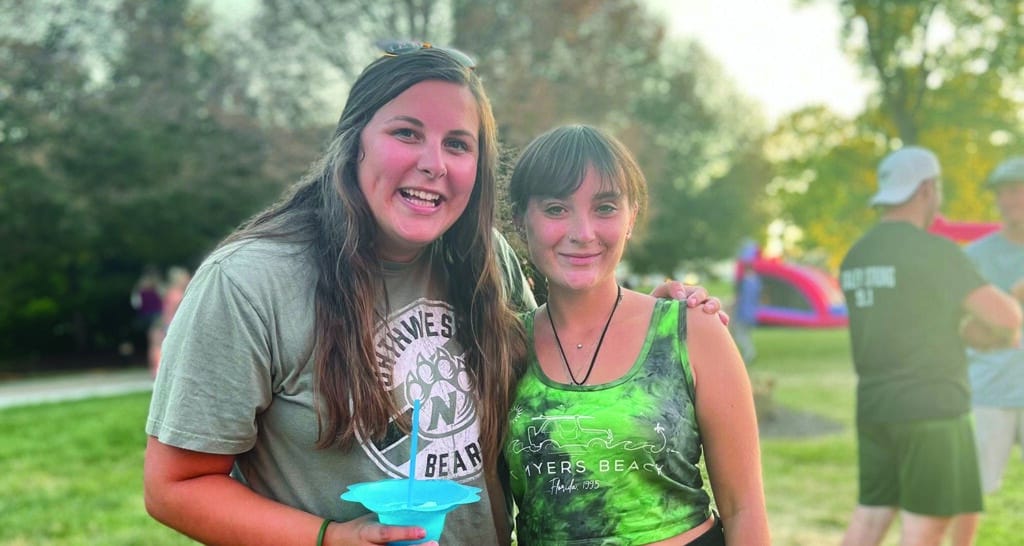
<point>662,532</point>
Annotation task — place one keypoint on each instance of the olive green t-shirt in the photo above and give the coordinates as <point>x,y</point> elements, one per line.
<point>237,378</point>
<point>905,290</point>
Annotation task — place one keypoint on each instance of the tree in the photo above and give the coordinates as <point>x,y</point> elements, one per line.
<point>43,83</point>
<point>312,29</point>
<point>145,154</point>
<point>825,169</point>
<point>699,142</point>
<point>309,51</point>
<point>606,63</point>
<point>547,63</point>
<point>610,64</point>
<point>956,93</point>
<point>911,48</point>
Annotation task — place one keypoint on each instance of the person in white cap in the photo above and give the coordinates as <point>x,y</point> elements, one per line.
<point>907,292</point>
<point>997,376</point>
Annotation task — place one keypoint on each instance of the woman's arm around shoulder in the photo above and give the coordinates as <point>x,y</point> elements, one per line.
<point>728,428</point>
<point>193,493</point>
<point>693,296</point>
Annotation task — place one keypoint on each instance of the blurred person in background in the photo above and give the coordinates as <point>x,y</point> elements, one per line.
<point>177,281</point>
<point>907,292</point>
<point>147,300</point>
<point>744,315</point>
<point>997,374</point>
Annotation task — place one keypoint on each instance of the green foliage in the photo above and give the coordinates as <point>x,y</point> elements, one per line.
<point>903,44</point>
<point>135,134</point>
<point>957,93</point>
<point>610,64</point>
<point>103,175</point>
<point>700,146</point>
<point>825,178</point>
<point>548,63</point>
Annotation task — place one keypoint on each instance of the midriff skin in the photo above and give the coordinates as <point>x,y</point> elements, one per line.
<point>686,537</point>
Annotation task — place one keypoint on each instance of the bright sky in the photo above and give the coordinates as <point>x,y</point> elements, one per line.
<point>782,56</point>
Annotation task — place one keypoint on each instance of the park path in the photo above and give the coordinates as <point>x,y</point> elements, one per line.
<point>73,386</point>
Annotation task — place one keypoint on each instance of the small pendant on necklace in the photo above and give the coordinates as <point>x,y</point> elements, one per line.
<point>579,345</point>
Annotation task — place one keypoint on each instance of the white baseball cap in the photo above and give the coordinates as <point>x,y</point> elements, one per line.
<point>901,172</point>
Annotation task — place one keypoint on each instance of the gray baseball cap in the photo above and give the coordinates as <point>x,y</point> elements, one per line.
<point>1010,171</point>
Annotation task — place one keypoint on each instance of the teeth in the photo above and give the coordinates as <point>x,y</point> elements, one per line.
<point>424,195</point>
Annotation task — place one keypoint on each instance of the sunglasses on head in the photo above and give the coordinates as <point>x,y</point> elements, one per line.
<point>394,48</point>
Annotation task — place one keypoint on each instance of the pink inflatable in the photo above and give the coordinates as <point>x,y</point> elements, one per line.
<point>962,232</point>
<point>795,295</point>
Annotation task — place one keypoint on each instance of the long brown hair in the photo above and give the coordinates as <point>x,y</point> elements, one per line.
<point>327,210</point>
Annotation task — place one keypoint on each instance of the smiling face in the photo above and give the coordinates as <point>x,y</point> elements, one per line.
<point>419,165</point>
<point>577,241</point>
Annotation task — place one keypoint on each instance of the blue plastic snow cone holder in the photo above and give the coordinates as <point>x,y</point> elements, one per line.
<point>430,502</point>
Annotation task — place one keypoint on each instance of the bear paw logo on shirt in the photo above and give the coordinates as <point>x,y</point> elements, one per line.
<point>428,367</point>
<point>443,388</point>
<point>449,435</point>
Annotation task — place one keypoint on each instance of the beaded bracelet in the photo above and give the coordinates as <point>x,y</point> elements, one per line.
<point>323,532</point>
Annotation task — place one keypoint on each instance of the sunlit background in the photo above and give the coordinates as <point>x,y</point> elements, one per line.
<point>135,134</point>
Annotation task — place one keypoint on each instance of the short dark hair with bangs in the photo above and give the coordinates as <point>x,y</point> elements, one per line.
<point>555,163</point>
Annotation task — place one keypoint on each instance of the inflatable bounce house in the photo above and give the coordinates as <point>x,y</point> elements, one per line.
<point>962,232</point>
<point>801,296</point>
<point>794,295</point>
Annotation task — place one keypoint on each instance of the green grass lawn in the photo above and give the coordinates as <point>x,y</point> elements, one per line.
<point>72,475</point>
<point>811,482</point>
<point>72,472</point>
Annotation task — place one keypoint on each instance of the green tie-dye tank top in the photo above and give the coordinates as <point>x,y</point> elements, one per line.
<point>614,463</point>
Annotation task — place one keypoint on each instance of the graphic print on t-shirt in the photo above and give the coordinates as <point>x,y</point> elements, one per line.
<point>561,447</point>
<point>418,357</point>
<point>862,282</point>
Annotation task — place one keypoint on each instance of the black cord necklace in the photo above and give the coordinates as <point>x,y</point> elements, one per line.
<point>600,341</point>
